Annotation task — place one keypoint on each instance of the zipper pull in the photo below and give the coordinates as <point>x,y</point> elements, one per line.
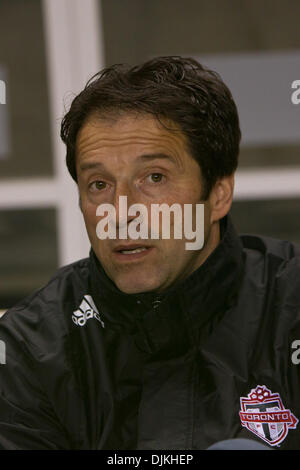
<point>156,303</point>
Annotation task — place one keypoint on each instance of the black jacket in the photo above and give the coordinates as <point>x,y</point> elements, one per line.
<point>89,367</point>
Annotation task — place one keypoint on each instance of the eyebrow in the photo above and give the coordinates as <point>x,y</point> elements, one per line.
<point>157,156</point>
<point>90,165</point>
<point>144,157</point>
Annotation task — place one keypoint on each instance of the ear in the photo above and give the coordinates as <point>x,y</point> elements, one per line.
<point>221,198</point>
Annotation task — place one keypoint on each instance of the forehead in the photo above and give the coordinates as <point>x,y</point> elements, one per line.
<point>129,132</point>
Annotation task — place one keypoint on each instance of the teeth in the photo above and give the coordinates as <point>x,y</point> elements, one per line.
<point>130,252</point>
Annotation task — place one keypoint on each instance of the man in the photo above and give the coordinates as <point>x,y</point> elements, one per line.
<point>147,344</point>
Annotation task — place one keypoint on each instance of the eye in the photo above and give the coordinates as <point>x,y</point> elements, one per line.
<point>97,185</point>
<point>156,177</point>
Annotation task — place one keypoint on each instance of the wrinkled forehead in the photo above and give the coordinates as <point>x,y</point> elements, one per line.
<point>130,136</point>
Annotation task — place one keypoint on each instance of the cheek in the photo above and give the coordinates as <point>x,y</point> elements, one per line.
<point>188,191</point>
<point>194,192</point>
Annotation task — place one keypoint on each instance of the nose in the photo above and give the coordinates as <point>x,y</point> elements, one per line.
<point>125,195</point>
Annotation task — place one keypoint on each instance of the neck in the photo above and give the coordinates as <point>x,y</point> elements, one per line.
<point>212,240</point>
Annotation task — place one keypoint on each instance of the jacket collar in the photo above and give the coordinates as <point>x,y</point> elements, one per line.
<point>159,319</point>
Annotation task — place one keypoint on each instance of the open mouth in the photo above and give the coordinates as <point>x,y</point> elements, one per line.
<point>131,252</point>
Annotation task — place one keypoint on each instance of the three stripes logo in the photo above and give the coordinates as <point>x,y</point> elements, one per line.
<point>87,310</point>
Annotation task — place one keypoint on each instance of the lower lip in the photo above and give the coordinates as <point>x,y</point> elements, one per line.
<point>132,257</point>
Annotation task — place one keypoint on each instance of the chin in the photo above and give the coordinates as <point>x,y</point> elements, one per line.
<point>136,287</point>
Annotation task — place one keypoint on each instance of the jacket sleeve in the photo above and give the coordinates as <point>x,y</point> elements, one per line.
<point>27,419</point>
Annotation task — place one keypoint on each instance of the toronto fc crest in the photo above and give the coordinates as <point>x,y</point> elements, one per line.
<point>263,413</point>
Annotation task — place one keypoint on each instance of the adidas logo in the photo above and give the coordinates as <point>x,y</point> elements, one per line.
<point>87,309</point>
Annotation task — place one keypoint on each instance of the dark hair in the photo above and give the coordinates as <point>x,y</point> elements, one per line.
<point>173,88</point>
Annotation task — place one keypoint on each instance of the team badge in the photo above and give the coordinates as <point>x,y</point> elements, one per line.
<point>263,413</point>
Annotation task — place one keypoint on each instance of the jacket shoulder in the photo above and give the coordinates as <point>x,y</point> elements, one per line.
<point>274,267</point>
<point>270,258</point>
<point>282,249</point>
<point>65,288</point>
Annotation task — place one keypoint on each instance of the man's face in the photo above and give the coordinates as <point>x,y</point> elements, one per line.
<point>136,157</point>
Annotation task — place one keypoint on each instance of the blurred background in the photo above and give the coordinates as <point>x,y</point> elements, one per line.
<point>48,50</point>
